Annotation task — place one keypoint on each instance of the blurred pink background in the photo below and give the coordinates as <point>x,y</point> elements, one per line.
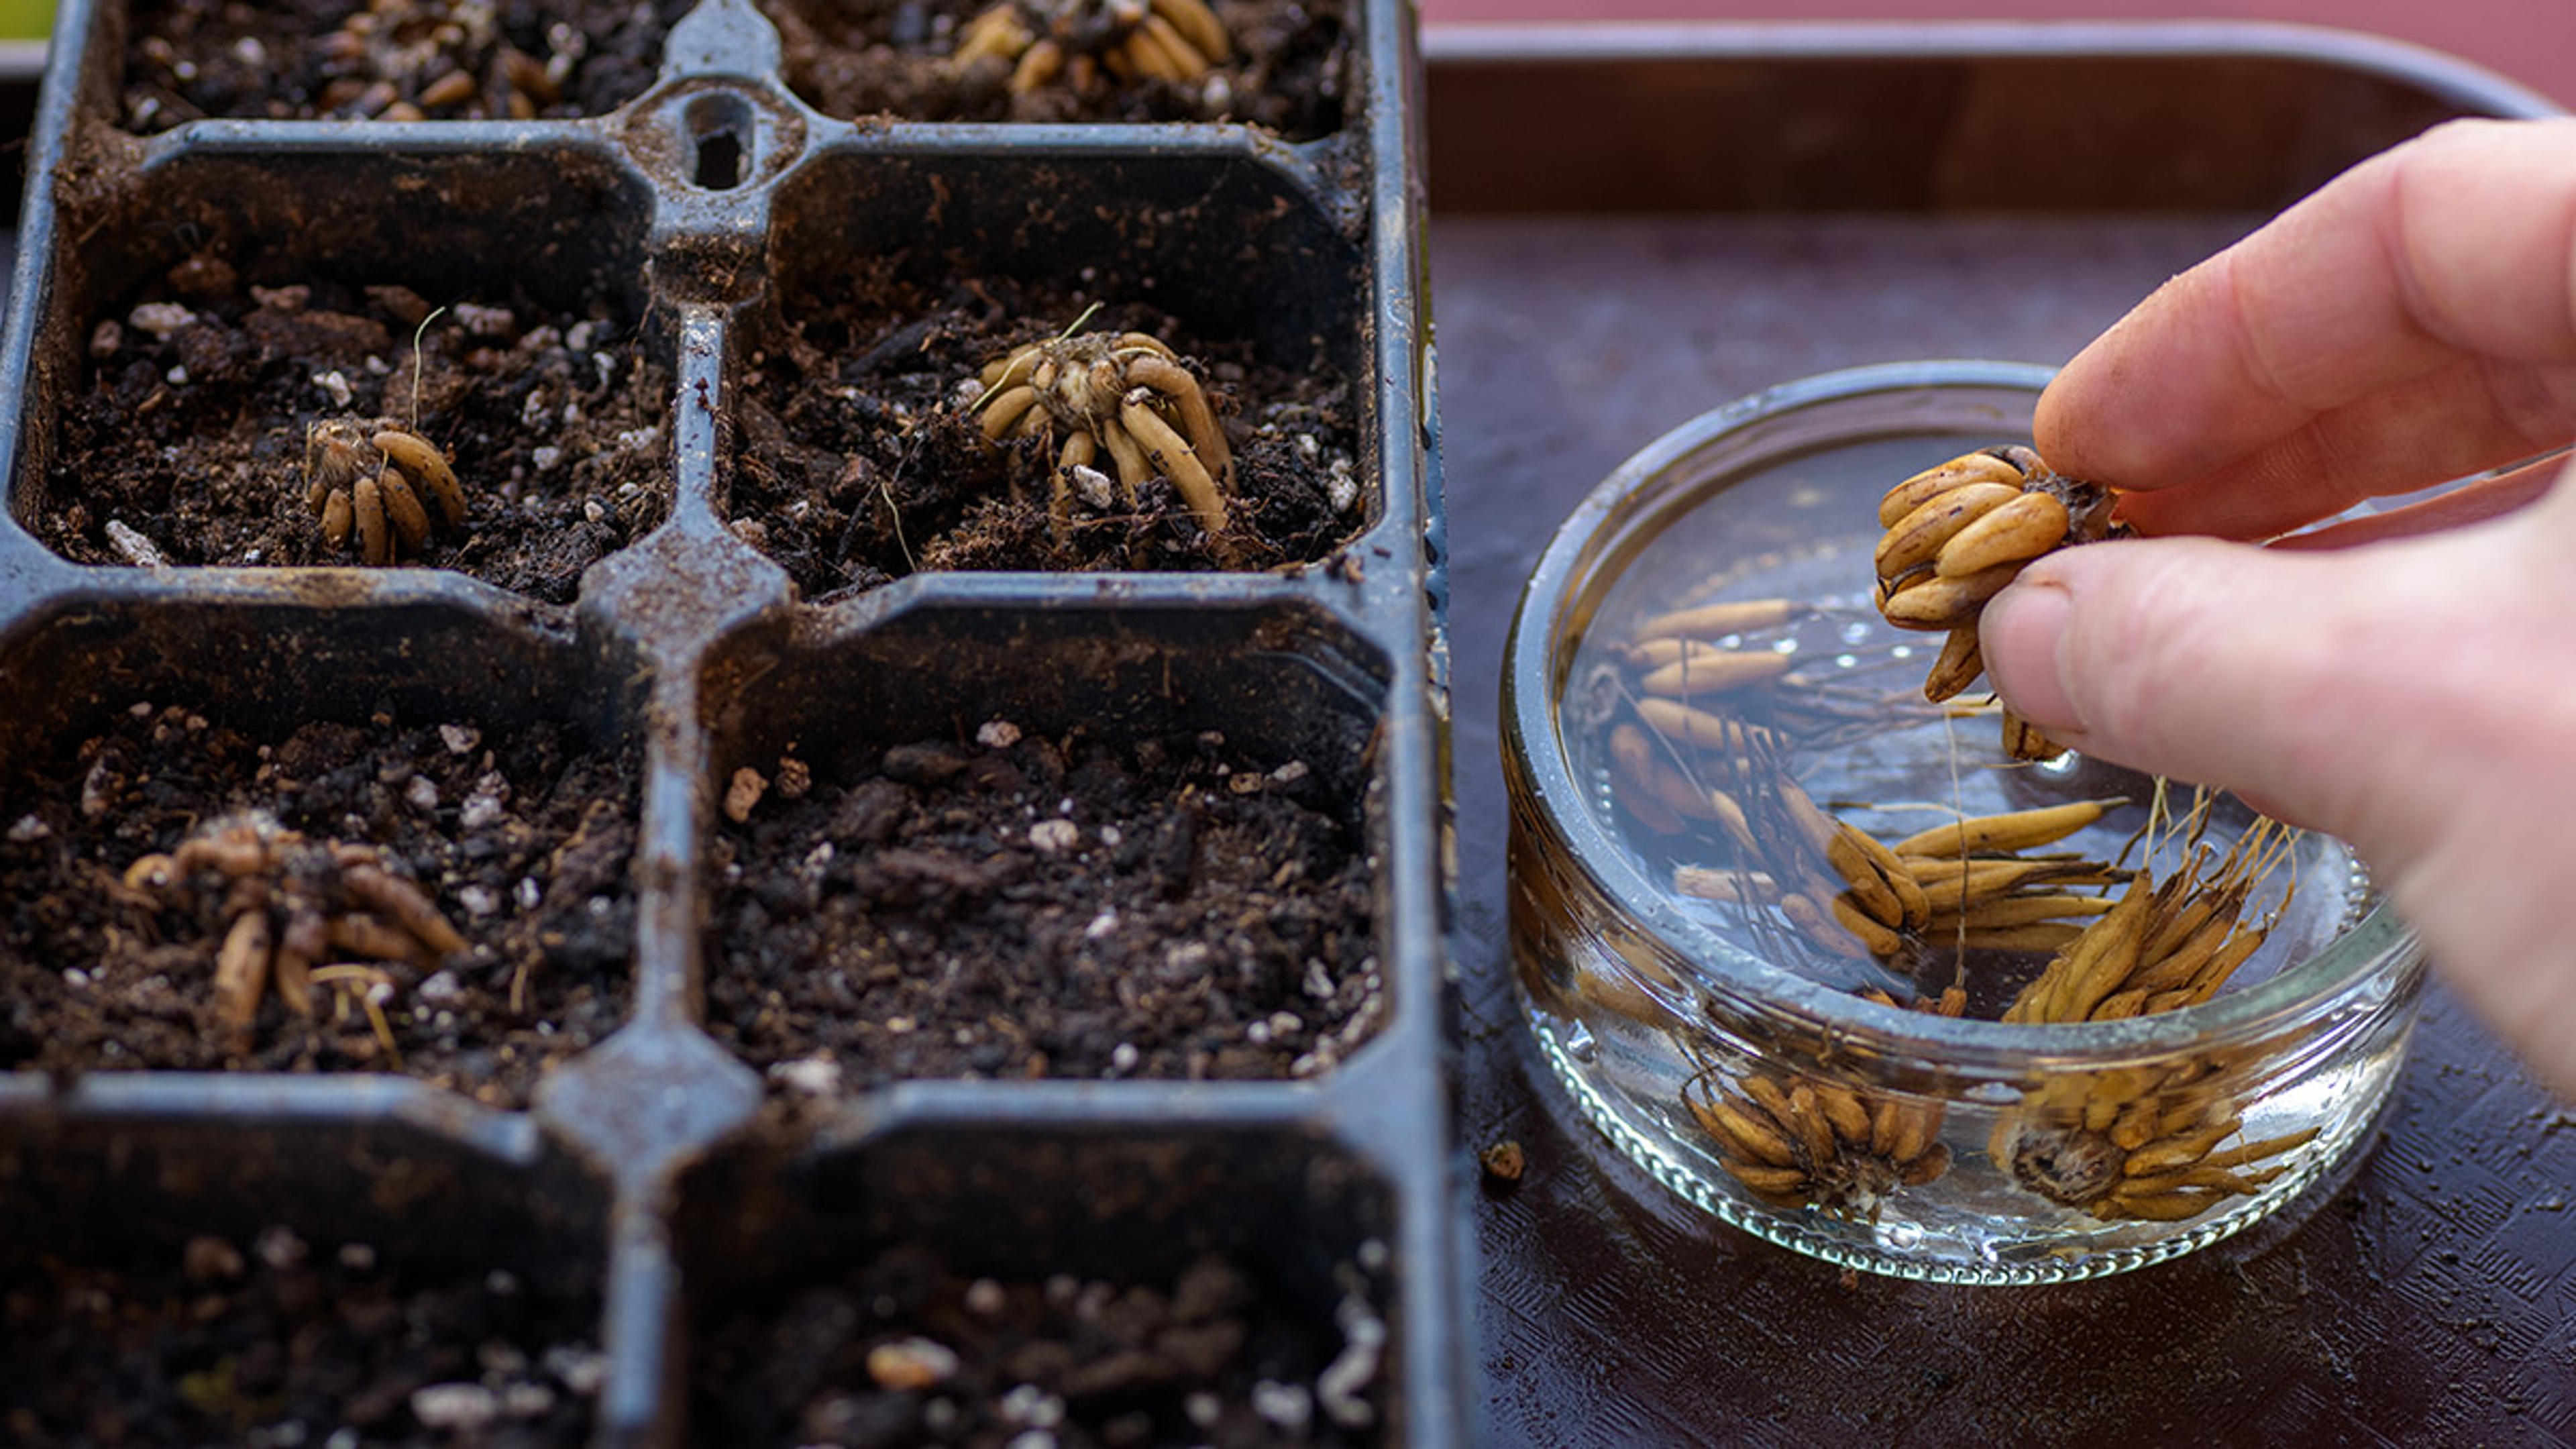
<point>2530,41</point>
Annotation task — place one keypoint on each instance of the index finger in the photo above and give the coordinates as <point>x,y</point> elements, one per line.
<point>2447,257</point>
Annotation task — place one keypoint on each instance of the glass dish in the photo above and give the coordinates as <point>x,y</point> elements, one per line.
<point>1716,1031</point>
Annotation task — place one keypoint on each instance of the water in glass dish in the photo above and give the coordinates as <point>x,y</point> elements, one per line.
<point>1765,792</point>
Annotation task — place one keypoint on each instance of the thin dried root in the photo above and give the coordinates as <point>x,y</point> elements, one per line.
<point>371,987</point>
<point>2031,936</point>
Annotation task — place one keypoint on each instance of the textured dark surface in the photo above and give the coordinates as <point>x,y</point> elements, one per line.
<point>2431,1300</point>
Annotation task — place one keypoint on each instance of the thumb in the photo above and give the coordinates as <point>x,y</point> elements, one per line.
<point>2222,664</point>
<point>2412,696</point>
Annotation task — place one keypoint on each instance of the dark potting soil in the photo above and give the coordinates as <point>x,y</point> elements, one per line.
<point>188,430</point>
<point>520,840</point>
<point>351,59</point>
<point>271,1341</point>
<point>860,457</point>
<point>1292,69</point>
<point>1031,907</point>
<point>907,1352</point>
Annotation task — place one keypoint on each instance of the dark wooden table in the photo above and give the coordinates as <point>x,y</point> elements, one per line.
<point>1621,242</point>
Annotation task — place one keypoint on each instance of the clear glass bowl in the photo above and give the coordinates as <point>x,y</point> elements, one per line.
<point>1720,1039</point>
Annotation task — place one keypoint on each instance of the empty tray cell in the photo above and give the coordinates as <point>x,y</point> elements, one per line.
<point>278,840</point>
<point>981,1287</point>
<point>387,60</point>
<point>226,372</point>
<point>1109,846</point>
<point>273,1285</point>
<point>1288,65</point>
<point>862,452</point>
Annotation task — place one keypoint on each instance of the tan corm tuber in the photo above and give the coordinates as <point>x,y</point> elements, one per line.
<point>2151,1141</point>
<point>298,914</point>
<point>2153,1146</point>
<point>1075,40</point>
<point>1956,534</point>
<point>364,480</point>
<point>1964,887</point>
<point>1700,740</point>
<point>1802,1140</point>
<point>1126,396</point>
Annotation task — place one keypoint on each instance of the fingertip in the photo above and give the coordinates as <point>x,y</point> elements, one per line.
<point>2058,426</point>
<point>2097,420</point>
<point>2263,802</point>
<point>2022,637</point>
<point>2215,663</point>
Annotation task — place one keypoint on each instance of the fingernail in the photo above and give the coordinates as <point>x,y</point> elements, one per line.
<point>2019,637</point>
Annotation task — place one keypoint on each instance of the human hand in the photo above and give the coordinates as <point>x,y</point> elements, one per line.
<point>2405,681</point>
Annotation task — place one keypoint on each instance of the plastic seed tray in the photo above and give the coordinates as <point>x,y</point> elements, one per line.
<point>783,924</point>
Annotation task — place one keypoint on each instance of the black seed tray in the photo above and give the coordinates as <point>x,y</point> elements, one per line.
<point>705,774</point>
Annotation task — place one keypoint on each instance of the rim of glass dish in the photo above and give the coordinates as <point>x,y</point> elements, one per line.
<point>2377,942</point>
